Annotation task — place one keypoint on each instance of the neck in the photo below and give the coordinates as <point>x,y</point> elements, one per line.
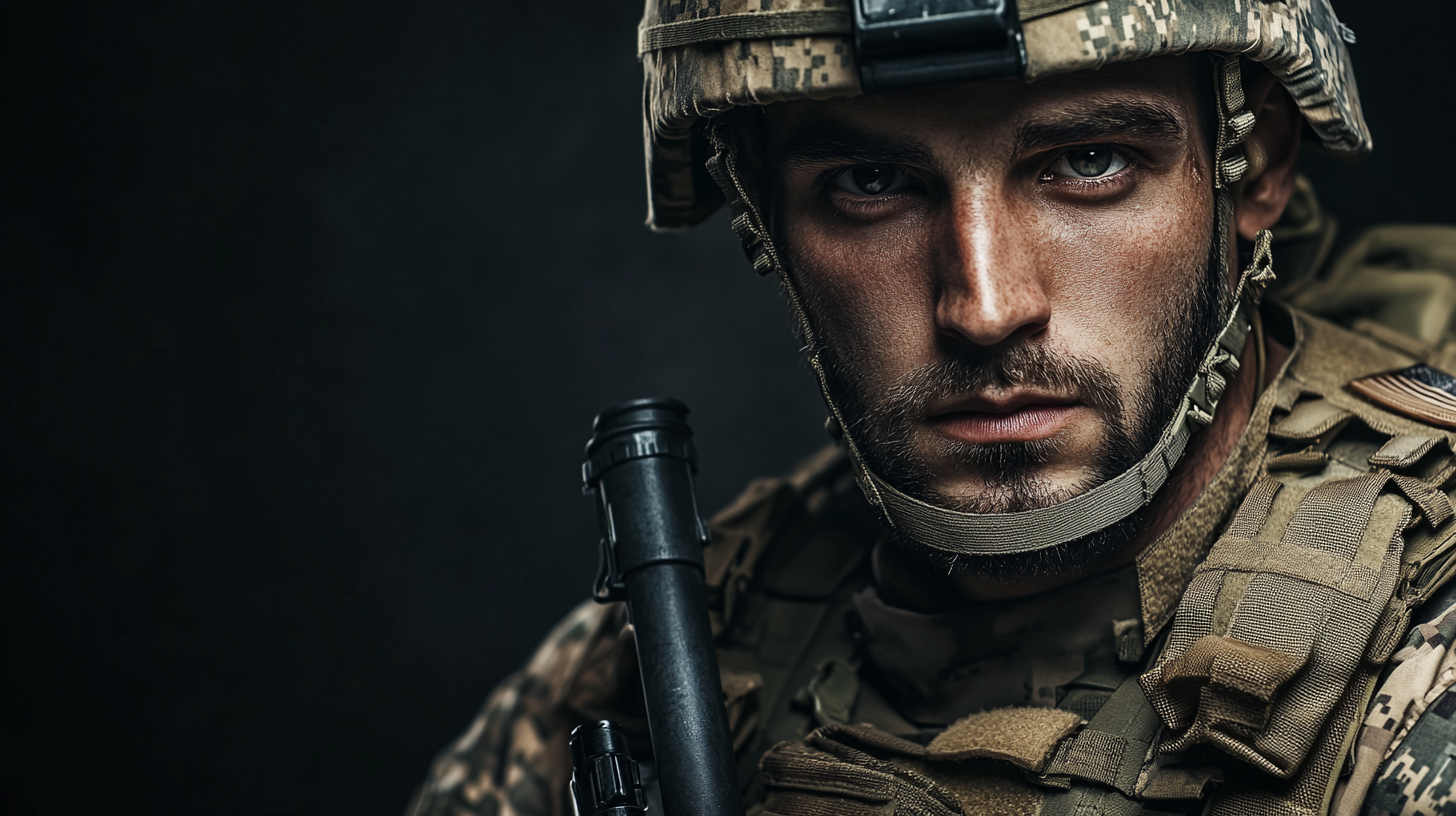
<point>907,578</point>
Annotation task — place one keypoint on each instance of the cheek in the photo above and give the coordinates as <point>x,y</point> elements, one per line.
<point>1118,276</point>
<point>867,291</point>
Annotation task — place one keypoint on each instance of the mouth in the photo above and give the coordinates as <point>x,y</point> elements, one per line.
<point>1014,418</point>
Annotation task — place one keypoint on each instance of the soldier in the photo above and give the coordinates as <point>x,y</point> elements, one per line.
<point>1117,520</point>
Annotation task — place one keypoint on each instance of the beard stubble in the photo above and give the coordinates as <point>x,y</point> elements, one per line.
<point>1133,419</point>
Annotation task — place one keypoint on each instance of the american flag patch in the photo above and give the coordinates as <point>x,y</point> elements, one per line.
<point>1419,391</point>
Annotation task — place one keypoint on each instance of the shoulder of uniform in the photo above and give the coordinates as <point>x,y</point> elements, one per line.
<point>1407,732</point>
<point>799,534</point>
<point>1394,282</point>
<point>582,664</point>
<point>513,759</point>
<point>1328,358</point>
<point>1324,429</point>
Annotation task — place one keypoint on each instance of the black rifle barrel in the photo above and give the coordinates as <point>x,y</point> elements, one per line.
<point>640,462</point>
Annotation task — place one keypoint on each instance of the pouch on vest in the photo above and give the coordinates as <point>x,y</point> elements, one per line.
<point>1269,646</point>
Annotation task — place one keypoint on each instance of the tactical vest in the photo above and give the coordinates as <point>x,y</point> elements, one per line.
<point>1247,702</point>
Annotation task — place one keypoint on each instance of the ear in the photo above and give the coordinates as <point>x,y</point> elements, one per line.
<point>1272,149</point>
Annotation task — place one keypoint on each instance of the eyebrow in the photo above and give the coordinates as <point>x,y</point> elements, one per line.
<point>1095,124</point>
<point>830,143</point>
<point>834,142</point>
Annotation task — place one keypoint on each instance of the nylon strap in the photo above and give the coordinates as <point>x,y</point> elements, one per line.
<point>1111,751</point>
<point>1104,505</point>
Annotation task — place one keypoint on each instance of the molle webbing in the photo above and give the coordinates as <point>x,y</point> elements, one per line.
<point>1054,764</point>
<point>1281,631</point>
<point>852,771</point>
<point>1111,751</point>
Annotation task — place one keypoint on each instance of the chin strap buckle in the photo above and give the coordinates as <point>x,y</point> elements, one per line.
<point>1261,265</point>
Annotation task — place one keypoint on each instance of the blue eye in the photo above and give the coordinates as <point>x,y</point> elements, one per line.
<point>1089,163</point>
<point>871,179</point>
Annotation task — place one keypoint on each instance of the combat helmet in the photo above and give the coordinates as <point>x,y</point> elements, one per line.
<point>702,58</point>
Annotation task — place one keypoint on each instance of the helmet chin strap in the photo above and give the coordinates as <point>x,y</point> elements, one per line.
<point>1114,499</point>
<point>1117,498</point>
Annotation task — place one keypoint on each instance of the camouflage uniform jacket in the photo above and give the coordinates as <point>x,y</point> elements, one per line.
<point>790,559</point>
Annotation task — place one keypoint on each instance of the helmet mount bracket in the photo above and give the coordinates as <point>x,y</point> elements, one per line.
<point>901,43</point>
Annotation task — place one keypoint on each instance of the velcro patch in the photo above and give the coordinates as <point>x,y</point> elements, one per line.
<point>1419,391</point>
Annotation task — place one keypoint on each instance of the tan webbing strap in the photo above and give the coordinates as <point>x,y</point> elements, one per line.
<point>1254,511</point>
<point>1234,122</point>
<point>1115,499</point>
<point>1114,746</point>
<point>1304,460</point>
<point>848,771</point>
<point>1310,420</point>
<point>1434,505</point>
<point>1253,671</point>
<point>1031,9</point>
<point>1404,450</point>
<point>1261,680</point>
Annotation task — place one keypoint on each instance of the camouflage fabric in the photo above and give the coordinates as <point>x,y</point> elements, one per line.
<point>1405,747</point>
<point>1300,41</point>
<point>513,760</point>
<point>1419,779</point>
<point>1022,652</point>
<point>778,542</point>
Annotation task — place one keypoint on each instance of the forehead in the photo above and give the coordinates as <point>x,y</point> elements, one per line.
<point>986,109</point>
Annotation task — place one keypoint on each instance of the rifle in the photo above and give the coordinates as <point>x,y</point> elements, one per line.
<point>640,463</point>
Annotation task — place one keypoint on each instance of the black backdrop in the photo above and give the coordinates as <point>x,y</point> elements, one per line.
<point>306,311</point>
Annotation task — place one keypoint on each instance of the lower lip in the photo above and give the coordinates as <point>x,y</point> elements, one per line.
<point>1022,425</point>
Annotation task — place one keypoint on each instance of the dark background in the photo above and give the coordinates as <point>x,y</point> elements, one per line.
<point>306,312</point>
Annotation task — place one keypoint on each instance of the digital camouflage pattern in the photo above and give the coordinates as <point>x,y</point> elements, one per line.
<point>1420,780</point>
<point>1300,41</point>
<point>1407,744</point>
<point>513,760</point>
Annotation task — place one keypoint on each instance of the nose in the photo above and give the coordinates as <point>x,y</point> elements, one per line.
<point>990,287</point>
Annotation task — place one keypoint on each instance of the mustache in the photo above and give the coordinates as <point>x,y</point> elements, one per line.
<point>908,399</point>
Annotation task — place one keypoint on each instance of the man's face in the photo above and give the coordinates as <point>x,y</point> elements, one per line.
<point>1010,282</point>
